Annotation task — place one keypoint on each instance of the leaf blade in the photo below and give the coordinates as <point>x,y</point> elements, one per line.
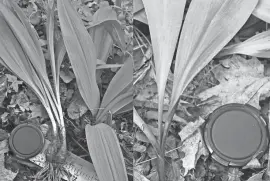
<point>105,152</point>
<point>82,53</point>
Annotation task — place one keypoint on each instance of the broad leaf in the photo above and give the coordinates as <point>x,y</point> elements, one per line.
<point>106,19</point>
<point>103,42</point>
<point>14,58</point>
<point>119,85</point>
<point>82,53</point>
<point>262,10</point>
<point>257,46</point>
<point>164,34</point>
<point>105,153</point>
<point>202,38</point>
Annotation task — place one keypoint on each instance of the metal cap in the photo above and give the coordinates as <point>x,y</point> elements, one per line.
<point>26,141</point>
<point>235,134</point>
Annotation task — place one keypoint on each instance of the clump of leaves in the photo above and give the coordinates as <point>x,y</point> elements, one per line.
<point>208,27</point>
<point>21,53</point>
<point>83,51</point>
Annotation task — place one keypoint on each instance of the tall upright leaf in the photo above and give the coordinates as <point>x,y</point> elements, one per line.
<point>81,52</point>
<point>202,38</point>
<point>164,34</point>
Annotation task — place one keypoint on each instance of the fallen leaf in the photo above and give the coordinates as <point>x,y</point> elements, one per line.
<point>21,100</point>
<point>190,128</point>
<point>14,82</point>
<point>67,76</point>
<point>241,81</point>
<point>191,149</point>
<point>139,177</point>
<point>254,163</point>
<point>139,148</point>
<point>38,111</point>
<point>77,106</point>
<point>256,177</point>
<point>5,174</point>
<point>4,117</point>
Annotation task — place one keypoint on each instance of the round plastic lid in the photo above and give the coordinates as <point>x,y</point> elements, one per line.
<point>236,133</point>
<point>26,141</point>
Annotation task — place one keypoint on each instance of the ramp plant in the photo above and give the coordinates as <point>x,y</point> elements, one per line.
<point>21,53</point>
<point>102,142</point>
<point>207,28</point>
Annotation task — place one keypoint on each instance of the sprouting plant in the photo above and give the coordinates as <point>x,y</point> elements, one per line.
<point>207,28</point>
<point>102,142</point>
<point>21,53</point>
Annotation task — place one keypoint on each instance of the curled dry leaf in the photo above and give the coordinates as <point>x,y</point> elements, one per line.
<point>241,82</point>
<point>5,174</point>
<point>193,149</point>
<point>190,128</point>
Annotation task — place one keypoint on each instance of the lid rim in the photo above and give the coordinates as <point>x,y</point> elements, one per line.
<point>216,153</point>
<point>35,152</point>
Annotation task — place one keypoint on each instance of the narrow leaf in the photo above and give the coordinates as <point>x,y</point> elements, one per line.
<point>164,34</point>
<point>106,17</point>
<point>119,82</point>
<point>105,153</point>
<point>145,129</point>
<point>257,46</point>
<point>81,52</point>
<point>262,10</point>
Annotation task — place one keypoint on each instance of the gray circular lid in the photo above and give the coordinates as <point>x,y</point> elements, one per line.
<point>26,140</point>
<point>235,133</point>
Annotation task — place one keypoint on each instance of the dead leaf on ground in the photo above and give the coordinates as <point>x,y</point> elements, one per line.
<point>193,150</point>
<point>77,106</point>
<point>190,128</point>
<point>241,81</point>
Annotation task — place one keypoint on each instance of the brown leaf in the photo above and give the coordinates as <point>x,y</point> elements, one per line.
<point>241,82</point>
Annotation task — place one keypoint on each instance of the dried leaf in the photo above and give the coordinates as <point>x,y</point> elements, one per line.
<point>191,149</point>
<point>105,153</point>
<point>241,82</point>
<point>80,169</point>
<point>190,128</point>
<point>82,53</point>
<point>77,106</point>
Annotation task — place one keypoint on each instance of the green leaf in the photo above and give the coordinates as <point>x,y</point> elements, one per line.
<point>262,10</point>
<point>146,130</point>
<point>257,46</point>
<point>119,85</point>
<point>82,53</point>
<point>103,42</point>
<point>164,33</point>
<point>105,153</point>
<point>14,58</point>
<point>202,38</point>
<point>106,18</point>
